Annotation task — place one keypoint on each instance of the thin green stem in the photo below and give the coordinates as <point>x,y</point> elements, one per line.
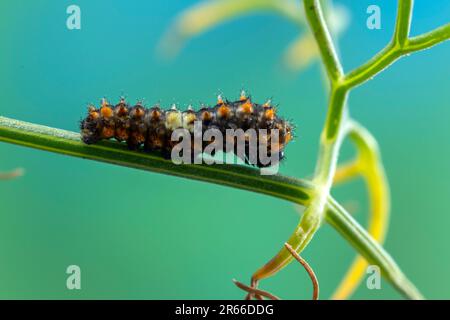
<point>331,139</point>
<point>400,46</point>
<point>403,23</point>
<point>390,53</point>
<point>332,132</point>
<point>69,143</point>
<point>429,39</point>
<point>336,113</point>
<point>320,30</point>
<point>344,223</point>
<point>370,69</point>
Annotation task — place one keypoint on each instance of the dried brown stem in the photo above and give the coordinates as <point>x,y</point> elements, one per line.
<point>258,294</point>
<point>254,291</point>
<point>308,269</point>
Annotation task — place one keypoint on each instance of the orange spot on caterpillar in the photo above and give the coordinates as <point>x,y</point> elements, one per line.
<point>106,112</point>
<point>269,114</point>
<point>223,111</point>
<point>287,137</point>
<point>94,115</point>
<point>247,107</point>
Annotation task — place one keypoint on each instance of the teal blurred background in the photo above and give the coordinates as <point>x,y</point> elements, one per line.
<point>142,235</point>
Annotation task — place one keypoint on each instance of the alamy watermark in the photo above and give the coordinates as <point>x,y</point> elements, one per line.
<point>373,281</point>
<point>73,21</point>
<point>73,281</point>
<point>374,20</point>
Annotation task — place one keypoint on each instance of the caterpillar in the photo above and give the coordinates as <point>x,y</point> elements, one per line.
<point>152,128</point>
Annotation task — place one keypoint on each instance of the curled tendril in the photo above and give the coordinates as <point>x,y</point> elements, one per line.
<point>12,174</point>
<point>259,294</point>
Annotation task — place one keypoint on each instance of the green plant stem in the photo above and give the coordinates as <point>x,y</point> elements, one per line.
<point>378,63</point>
<point>399,46</point>
<point>333,132</point>
<point>318,27</point>
<point>403,22</point>
<point>429,39</point>
<point>69,143</point>
<point>344,223</point>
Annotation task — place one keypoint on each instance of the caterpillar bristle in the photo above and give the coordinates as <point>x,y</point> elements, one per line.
<point>243,95</point>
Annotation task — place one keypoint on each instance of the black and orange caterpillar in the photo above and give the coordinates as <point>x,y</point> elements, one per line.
<point>152,127</point>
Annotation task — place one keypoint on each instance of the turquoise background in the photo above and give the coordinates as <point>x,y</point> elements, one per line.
<point>143,235</point>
